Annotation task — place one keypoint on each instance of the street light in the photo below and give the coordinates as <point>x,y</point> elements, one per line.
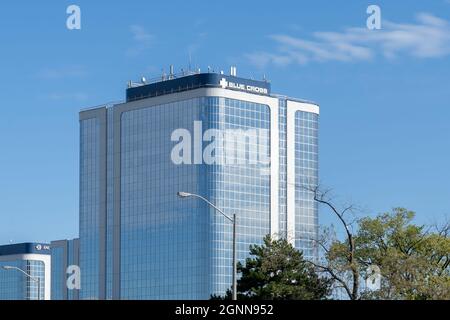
<point>233,221</point>
<point>35,279</point>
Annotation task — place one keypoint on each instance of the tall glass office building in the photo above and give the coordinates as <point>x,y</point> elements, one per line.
<point>64,253</point>
<point>25,271</point>
<point>228,139</point>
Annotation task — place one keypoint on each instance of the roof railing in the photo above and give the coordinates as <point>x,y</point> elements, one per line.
<point>163,77</point>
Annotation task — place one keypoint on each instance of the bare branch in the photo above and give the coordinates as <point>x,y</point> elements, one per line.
<point>334,276</point>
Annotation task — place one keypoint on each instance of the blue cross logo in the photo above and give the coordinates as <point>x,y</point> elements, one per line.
<point>223,83</point>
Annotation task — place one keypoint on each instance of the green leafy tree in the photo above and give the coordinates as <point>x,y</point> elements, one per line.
<point>277,271</point>
<point>413,260</point>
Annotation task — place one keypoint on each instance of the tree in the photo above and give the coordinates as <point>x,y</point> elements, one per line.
<point>277,271</point>
<point>340,263</point>
<point>413,261</point>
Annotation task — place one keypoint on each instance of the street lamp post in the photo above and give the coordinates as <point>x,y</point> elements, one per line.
<point>233,221</point>
<point>35,279</point>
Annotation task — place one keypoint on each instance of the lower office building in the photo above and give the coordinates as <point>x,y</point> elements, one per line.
<point>65,253</point>
<point>25,271</point>
<point>228,139</point>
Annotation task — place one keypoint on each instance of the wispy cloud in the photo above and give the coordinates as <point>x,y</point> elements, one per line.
<point>62,72</point>
<point>428,38</point>
<point>79,96</point>
<point>142,40</point>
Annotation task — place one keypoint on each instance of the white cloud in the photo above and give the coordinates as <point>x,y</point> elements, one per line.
<point>62,72</point>
<point>142,40</point>
<point>79,96</point>
<point>261,59</point>
<point>140,34</point>
<point>428,38</point>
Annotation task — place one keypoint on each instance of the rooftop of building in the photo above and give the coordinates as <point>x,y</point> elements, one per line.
<point>25,248</point>
<point>189,80</point>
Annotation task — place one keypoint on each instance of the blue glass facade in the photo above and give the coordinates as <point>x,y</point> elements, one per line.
<point>14,284</point>
<point>58,273</point>
<point>243,189</point>
<point>64,253</point>
<point>282,126</point>
<point>89,207</point>
<point>306,174</point>
<point>164,241</point>
<point>138,240</point>
<point>110,206</point>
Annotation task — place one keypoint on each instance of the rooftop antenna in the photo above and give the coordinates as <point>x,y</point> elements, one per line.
<point>209,69</point>
<point>171,74</point>
<point>190,60</point>
<point>233,71</point>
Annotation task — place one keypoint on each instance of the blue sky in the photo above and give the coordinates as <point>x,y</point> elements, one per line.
<point>384,95</point>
